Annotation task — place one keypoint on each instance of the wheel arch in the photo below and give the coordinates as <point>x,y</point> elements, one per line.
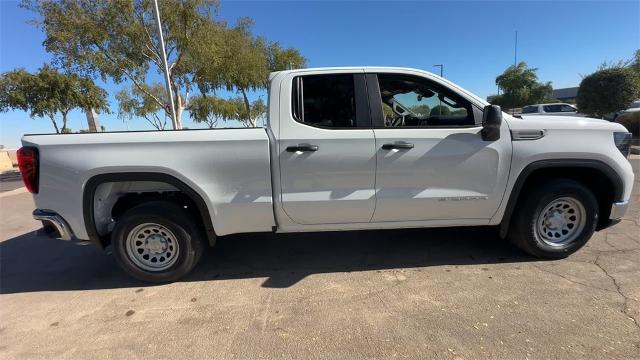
<point>91,185</point>
<point>568,168</point>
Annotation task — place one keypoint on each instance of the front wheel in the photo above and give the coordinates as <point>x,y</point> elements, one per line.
<point>555,220</point>
<point>156,242</point>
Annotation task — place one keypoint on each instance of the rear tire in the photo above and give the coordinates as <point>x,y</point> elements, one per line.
<point>156,242</point>
<point>554,220</point>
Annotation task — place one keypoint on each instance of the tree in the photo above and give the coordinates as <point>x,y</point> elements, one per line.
<point>607,91</point>
<point>440,110</point>
<point>210,109</point>
<point>16,91</point>
<point>243,64</point>
<point>632,64</point>
<point>256,110</point>
<point>635,64</point>
<point>520,87</point>
<point>422,109</point>
<point>143,102</point>
<point>118,39</point>
<point>49,92</point>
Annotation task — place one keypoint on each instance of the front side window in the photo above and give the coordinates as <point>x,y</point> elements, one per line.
<point>325,100</point>
<point>529,109</point>
<point>567,108</point>
<point>409,101</point>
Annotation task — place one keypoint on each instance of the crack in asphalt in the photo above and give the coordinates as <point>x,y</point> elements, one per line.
<point>606,240</point>
<point>625,309</point>
<point>572,280</point>
<point>625,304</point>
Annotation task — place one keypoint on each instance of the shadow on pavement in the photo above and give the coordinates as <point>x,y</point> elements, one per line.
<point>32,262</point>
<point>10,180</point>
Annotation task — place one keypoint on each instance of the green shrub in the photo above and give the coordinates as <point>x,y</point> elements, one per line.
<point>607,91</point>
<point>631,121</point>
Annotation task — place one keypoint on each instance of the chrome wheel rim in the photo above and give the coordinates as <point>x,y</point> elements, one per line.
<point>561,221</point>
<point>152,247</point>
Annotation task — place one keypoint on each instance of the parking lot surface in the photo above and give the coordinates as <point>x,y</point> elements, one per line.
<point>423,293</point>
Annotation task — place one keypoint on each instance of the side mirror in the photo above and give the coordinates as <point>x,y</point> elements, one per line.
<point>491,121</point>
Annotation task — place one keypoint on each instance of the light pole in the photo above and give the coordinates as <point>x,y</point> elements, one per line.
<point>515,51</point>
<point>441,66</point>
<point>174,119</point>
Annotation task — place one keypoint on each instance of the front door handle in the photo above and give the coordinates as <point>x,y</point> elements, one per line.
<point>302,147</point>
<point>398,145</point>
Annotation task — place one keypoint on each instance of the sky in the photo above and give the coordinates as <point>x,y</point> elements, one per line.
<point>474,40</point>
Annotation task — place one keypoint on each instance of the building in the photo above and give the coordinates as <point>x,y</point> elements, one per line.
<point>566,94</point>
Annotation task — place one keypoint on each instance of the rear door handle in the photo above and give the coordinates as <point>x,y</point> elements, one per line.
<point>302,147</point>
<point>398,145</point>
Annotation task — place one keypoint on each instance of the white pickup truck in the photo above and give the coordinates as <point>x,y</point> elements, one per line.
<point>344,149</point>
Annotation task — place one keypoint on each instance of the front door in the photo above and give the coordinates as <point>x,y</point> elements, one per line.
<point>432,163</point>
<point>327,151</point>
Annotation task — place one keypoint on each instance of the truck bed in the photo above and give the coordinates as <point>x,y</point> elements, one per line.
<point>228,168</point>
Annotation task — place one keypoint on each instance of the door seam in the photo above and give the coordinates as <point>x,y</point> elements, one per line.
<point>375,149</point>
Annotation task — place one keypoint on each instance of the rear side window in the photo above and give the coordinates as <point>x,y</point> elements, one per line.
<point>529,109</point>
<point>324,100</point>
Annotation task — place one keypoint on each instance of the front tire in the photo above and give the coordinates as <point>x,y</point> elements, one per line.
<point>156,242</point>
<point>555,220</point>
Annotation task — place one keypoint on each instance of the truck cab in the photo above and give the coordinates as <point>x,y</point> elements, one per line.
<point>382,146</point>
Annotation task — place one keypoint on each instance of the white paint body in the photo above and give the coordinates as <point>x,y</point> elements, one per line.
<point>250,183</point>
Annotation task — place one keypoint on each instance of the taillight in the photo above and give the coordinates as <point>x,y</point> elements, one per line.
<point>28,164</point>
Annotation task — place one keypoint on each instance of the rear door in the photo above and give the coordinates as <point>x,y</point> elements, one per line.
<point>327,150</point>
<point>432,163</point>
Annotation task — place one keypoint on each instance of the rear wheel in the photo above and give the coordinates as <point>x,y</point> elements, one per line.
<point>156,242</point>
<point>555,220</point>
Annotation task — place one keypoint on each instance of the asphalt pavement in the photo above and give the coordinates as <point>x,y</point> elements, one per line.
<point>10,180</point>
<point>425,293</point>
